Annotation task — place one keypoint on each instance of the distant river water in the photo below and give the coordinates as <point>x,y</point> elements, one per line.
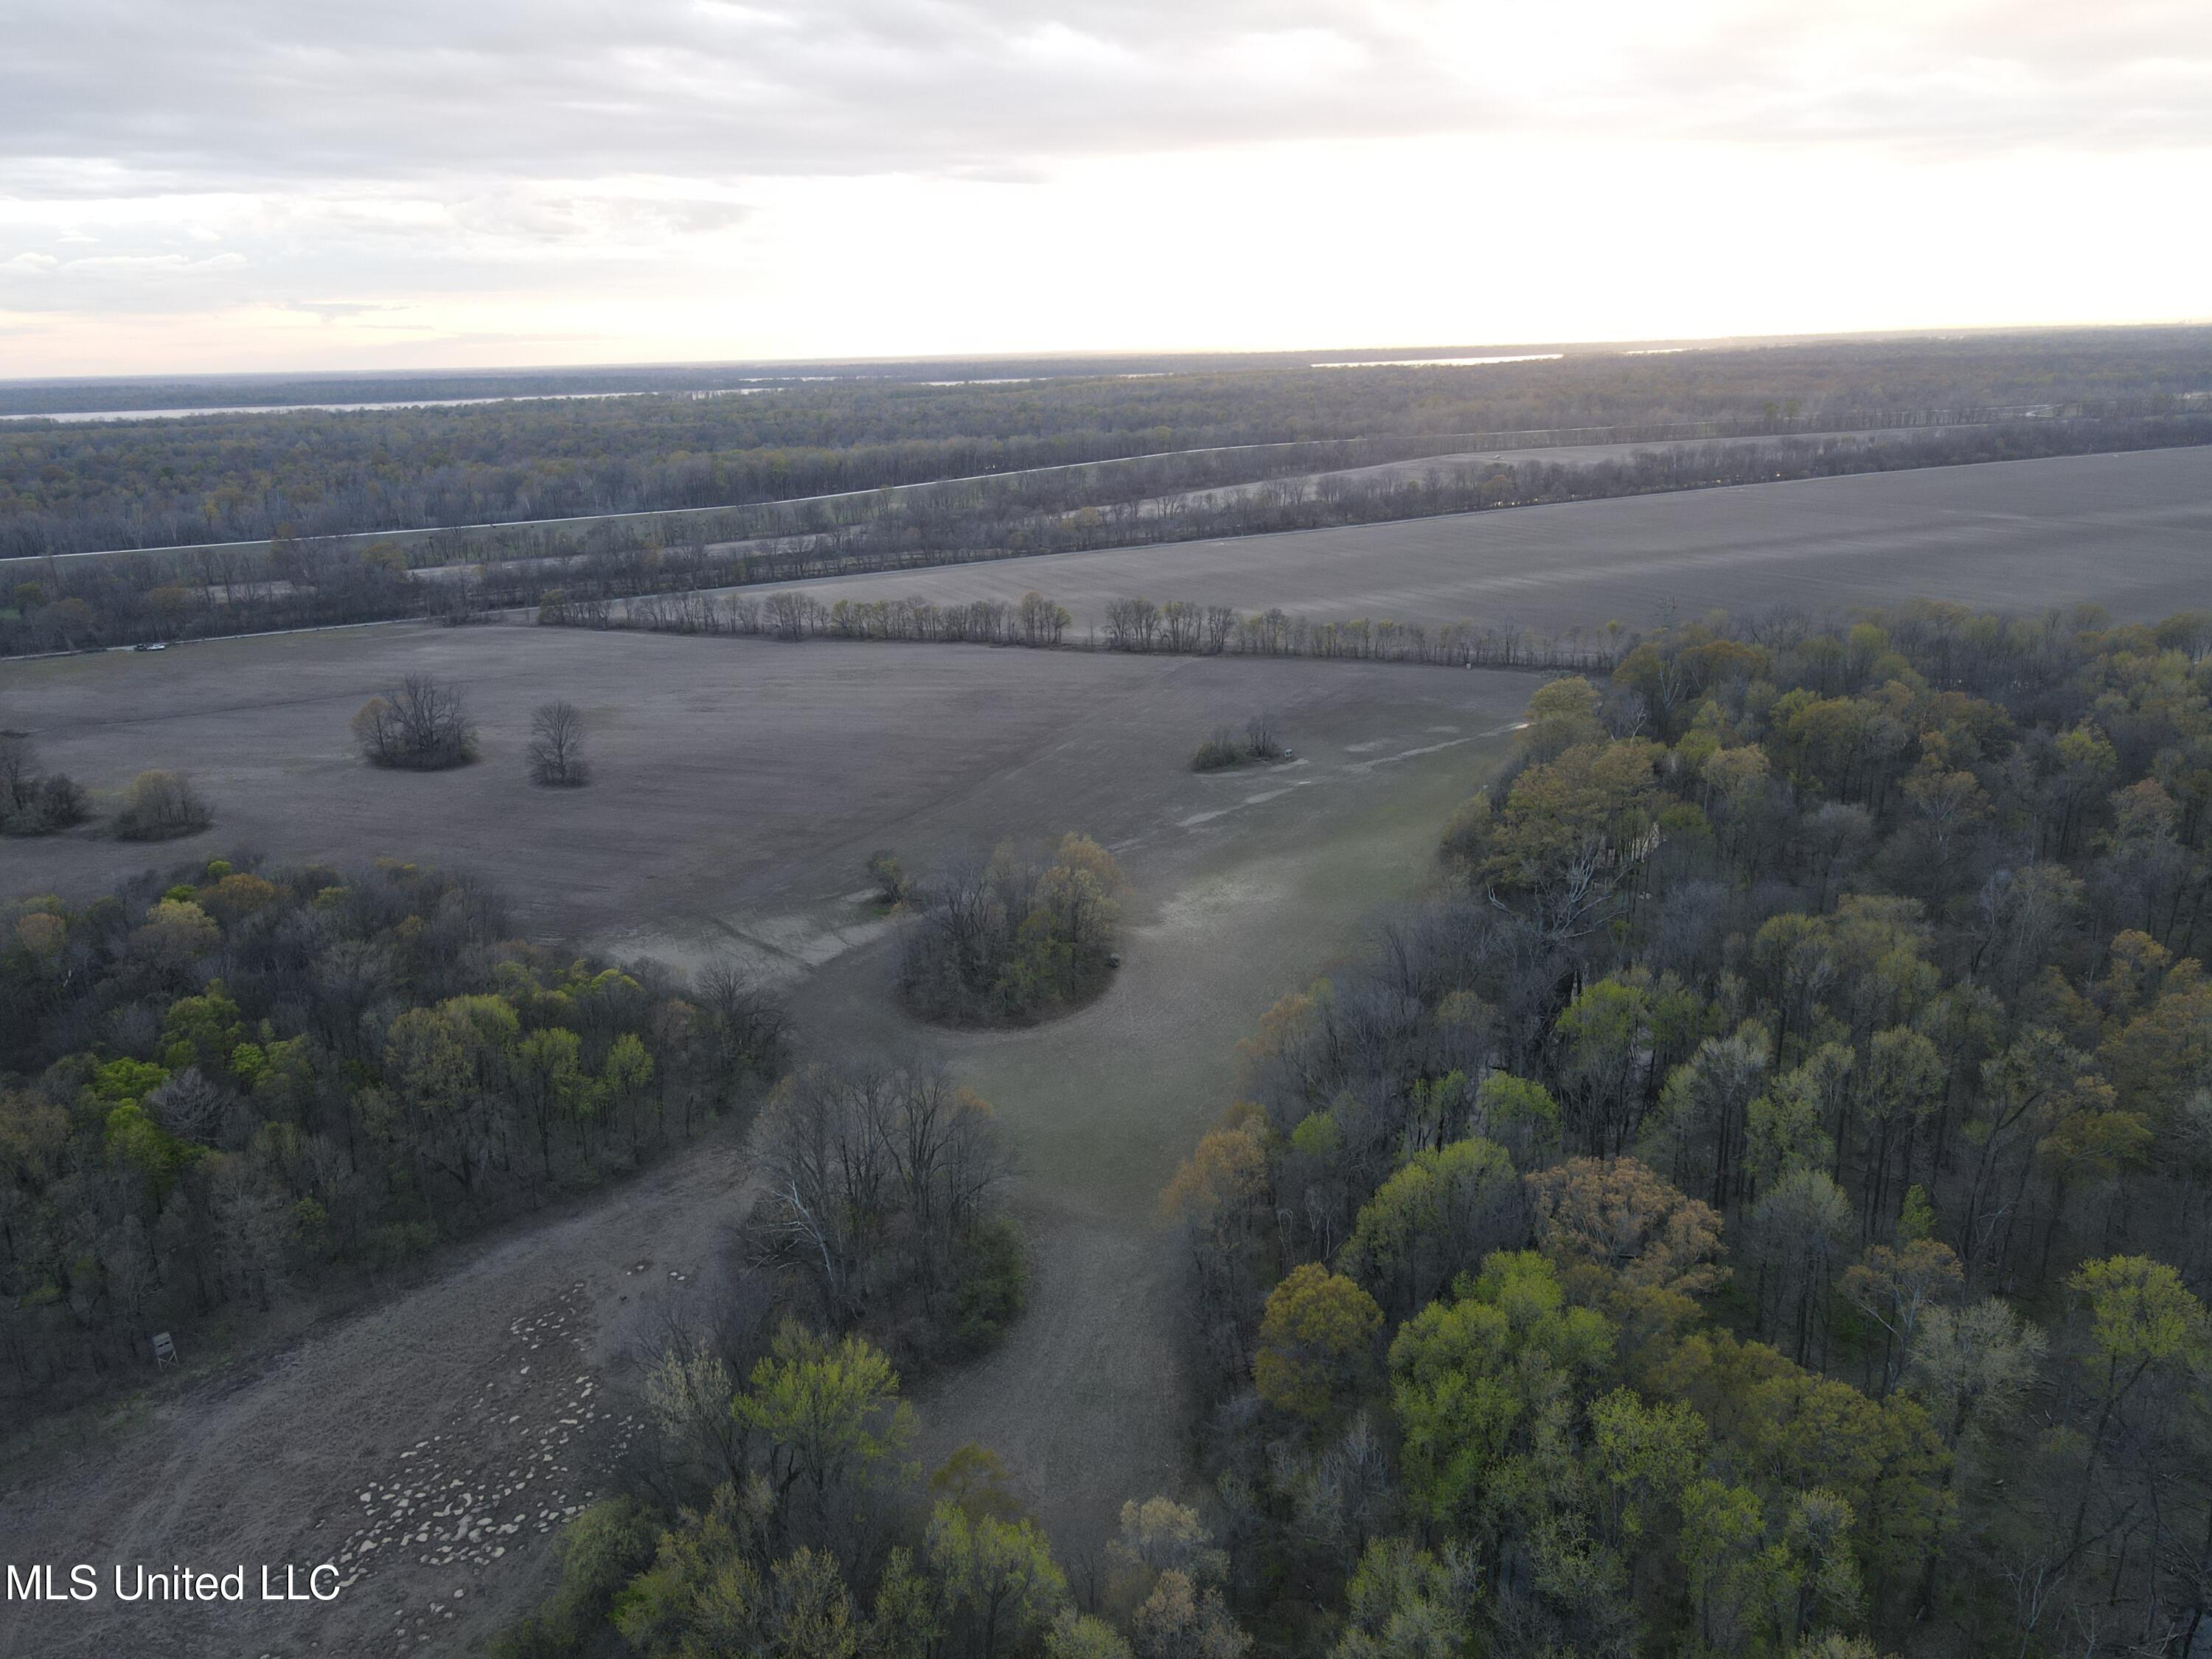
<point>74,417</point>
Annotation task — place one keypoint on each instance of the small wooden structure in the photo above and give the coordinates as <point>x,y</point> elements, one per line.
<point>165,1350</point>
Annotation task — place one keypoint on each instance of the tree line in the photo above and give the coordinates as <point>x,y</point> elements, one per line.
<point>61,605</point>
<point>1754,1208</point>
<point>1135,625</point>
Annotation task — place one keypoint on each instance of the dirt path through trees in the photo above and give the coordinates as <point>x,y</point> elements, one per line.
<point>1085,1400</point>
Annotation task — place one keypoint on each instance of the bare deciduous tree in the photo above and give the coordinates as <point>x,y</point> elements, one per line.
<point>557,745</point>
<point>877,1174</point>
<point>422,725</point>
<point>32,804</point>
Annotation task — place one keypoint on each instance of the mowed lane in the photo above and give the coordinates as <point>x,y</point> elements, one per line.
<point>740,785</point>
<point>2130,531</point>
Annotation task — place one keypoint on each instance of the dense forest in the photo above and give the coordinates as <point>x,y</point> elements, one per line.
<point>1751,1207</point>
<point>67,488</point>
<point>255,1085</point>
<point>1758,1208</point>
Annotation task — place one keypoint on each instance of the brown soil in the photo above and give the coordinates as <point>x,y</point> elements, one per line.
<point>2127,531</point>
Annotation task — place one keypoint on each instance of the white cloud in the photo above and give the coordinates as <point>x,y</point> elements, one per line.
<point>224,92</point>
<point>684,178</point>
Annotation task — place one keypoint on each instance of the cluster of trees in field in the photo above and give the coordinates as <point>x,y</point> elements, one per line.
<point>1009,938</point>
<point>1175,627</point>
<point>880,1181</point>
<point>1757,1208</point>
<point>1225,746</point>
<point>74,605</point>
<point>256,1083</point>
<point>156,806</point>
<point>32,801</point>
<point>423,724</point>
<point>239,476</point>
<point>420,724</point>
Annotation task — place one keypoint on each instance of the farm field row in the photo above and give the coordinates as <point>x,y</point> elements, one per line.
<point>2132,531</point>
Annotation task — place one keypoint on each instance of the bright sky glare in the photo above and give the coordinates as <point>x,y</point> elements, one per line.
<point>278,184</point>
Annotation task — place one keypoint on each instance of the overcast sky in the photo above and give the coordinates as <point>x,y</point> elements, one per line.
<point>279,184</point>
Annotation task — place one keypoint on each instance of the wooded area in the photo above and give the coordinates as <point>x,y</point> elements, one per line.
<point>256,1085</point>
<point>1759,1210</point>
<point>1752,1208</point>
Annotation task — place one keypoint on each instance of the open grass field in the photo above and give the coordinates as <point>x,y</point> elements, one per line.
<point>740,785</point>
<point>2131,531</point>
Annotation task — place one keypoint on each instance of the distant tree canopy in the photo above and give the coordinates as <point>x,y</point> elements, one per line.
<point>316,517</point>
<point>237,477</point>
<point>1011,938</point>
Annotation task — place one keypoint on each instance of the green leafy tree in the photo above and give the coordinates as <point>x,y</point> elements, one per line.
<point>1080,1636</point>
<point>1438,1215</point>
<point>2143,1319</point>
<point>1643,1456</point>
<point>908,1619</point>
<point>999,1573</point>
<point>831,1412</point>
<point>1315,1334</point>
<point>1471,1379</point>
<point>1520,1116</point>
<point>201,1030</point>
<point>1404,1602</point>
